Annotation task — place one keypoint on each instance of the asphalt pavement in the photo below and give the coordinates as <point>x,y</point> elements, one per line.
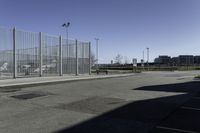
<point>138,103</point>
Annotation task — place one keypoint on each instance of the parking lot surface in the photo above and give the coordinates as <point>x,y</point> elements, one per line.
<point>166,102</point>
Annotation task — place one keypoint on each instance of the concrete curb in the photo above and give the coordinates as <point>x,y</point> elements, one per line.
<point>58,80</point>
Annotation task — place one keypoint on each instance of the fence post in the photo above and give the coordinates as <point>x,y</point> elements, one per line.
<point>89,58</point>
<point>77,58</point>
<point>60,56</point>
<point>14,54</point>
<point>40,52</point>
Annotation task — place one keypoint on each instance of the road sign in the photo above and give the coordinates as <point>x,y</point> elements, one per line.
<point>134,62</point>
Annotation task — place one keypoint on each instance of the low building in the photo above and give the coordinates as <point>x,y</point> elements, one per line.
<point>197,60</point>
<point>186,60</point>
<point>181,60</point>
<point>164,59</point>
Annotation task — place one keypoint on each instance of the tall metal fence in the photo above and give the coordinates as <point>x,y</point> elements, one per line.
<point>28,54</point>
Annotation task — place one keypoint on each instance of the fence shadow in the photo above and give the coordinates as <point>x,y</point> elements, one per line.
<point>181,87</point>
<point>138,116</point>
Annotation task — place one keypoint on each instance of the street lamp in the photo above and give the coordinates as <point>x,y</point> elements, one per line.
<point>66,25</point>
<point>97,43</point>
<point>143,55</point>
<point>142,62</point>
<point>148,58</point>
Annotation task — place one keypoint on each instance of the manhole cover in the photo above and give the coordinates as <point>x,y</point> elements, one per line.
<point>94,105</point>
<point>28,96</point>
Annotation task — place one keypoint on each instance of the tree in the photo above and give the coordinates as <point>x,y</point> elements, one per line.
<point>118,59</point>
<point>93,60</point>
<point>126,60</point>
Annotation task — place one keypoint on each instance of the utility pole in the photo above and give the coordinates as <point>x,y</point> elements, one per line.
<point>143,55</point>
<point>142,63</point>
<point>97,50</point>
<point>148,58</point>
<point>66,25</point>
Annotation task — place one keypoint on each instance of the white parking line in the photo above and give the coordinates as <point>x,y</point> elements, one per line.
<point>174,129</point>
<point>190,108</point>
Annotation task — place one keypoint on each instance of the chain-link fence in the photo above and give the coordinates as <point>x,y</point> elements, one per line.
<point>27,54</point>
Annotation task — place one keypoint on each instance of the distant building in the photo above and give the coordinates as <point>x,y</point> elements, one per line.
<point>197,60</point>
<point>181,60</point>
<point>164,59</point>
<point>186,60</point>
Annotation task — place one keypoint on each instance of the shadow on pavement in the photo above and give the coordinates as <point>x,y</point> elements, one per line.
<point>138,116</point>
<point>187,87</point>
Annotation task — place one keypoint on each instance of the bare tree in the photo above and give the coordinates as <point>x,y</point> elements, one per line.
<point>118,59</point>
<point>126,60</point>
<point>93,60</point>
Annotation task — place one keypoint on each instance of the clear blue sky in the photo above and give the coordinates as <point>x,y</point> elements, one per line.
<point>127,27</point>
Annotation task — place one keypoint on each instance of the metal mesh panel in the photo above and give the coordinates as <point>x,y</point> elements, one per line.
<point>69,56</point>
<point>28,54</point>
<point>6,54</point>
<point>83,57</point>
<point>27,50</point>
<point>50,51</point>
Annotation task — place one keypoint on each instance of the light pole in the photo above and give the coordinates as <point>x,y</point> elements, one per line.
<point>66,25</point>
<point>142,63</point>
<point>97,45</point>
<point>143,55</point>
<point>148,58</point>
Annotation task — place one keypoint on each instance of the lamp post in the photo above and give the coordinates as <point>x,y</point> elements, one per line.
<point>148,58</point>
<point>143,55</point>
<point>142,63</point>
<point>97,45</point>
<point>66,25</point>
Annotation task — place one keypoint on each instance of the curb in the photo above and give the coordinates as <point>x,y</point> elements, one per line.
<point>58,81</point>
